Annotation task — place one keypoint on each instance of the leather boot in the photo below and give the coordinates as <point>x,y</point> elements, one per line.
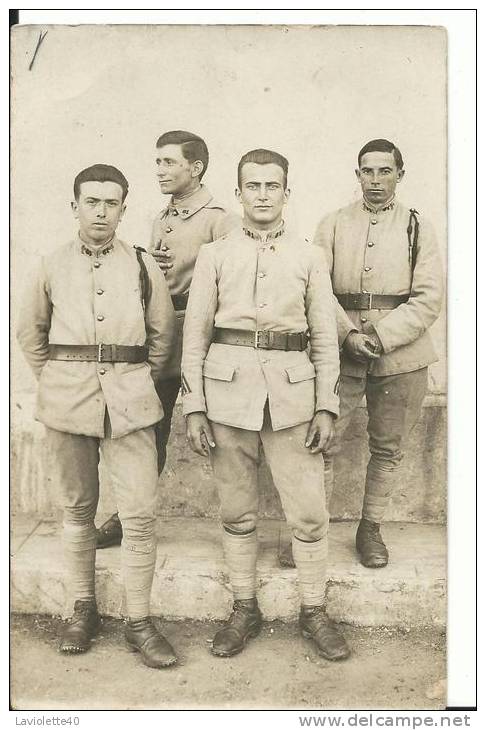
<point>370,546</point>
<point>81,627</point>
<point>245,622</point>
<point>142,636</point>
<point>110,533</point>
<point>316,625</point>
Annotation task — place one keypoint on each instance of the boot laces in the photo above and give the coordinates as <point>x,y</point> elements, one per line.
<point>240,615</point>
<point>372,531</point>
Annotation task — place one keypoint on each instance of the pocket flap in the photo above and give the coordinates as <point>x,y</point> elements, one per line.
<point>296,374</point>
<point>218,371</point>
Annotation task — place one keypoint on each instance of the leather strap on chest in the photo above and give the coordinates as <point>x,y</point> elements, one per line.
<point>145,284</point>
<point>413,234</point>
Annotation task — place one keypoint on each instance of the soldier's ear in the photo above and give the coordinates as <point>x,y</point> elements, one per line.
<point>400,175</point>
<point>356,172</point>
<point>197,168</point>
<point>122,211</point>
<point>238,195</point>
<point>287,194</point>
<point>75,208</point>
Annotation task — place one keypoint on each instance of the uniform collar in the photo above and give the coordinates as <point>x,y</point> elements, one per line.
<point>88,250</point>
<point>192,204</point>
<point>377,209</point>
<point>264,235</point>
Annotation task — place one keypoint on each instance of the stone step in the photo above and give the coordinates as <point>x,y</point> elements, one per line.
<point>190,580</point>
<point>187,486</point>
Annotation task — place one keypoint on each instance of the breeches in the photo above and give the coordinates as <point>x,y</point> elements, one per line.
<point>131,463</point>
<point>297,475</point>
<point>394,405</point>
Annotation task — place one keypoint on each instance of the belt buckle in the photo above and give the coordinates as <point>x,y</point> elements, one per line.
<point>370,299</point>
<point>262,339</point>
<point>101,353</point>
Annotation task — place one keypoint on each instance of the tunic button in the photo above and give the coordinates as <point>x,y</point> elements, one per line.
<point>373,221</point>
<point>102,371</point>
<point>370,244</point>
<point>364,319</point>
<point>364,292</point>
<point>261,275</point>
<point>368,268</point>
<point>168,229</point>
<point>175,212</point>
<point>100,291</point>
<point>100,318</point>
<point>262,305</point>
<point>97,264</point>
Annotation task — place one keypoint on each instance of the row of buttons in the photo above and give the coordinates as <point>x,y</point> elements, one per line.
<point>100,317</point>
<point>373,222</point>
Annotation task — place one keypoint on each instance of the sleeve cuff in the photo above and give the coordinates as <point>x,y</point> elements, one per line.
<point>192,403</point>
<point>329,403</point>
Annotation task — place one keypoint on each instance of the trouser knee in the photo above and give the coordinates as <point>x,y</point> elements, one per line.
<point>311,528</point>
<point>241,527</point>
<point>79,515</point>
<point>386,459</point>
<point>139,533</point>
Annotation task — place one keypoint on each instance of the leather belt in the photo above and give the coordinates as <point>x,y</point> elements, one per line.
<point>261,339</point>
<point>179,301</point>
<point>99,353</point>
<point>371,301</point>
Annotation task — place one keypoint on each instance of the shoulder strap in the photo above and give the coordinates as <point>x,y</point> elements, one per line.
<point>145,284</point>
<point>413,233</point>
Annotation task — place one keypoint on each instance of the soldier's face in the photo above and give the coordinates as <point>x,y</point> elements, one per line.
<point>175,174</point>
<point>262,194</point>
<point>378,176</point>
<point>98,209</point>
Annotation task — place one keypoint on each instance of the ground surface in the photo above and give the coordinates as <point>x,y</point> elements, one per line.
<point>279,669</point>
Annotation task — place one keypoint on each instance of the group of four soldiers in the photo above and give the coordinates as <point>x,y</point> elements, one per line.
<point>281,340</point>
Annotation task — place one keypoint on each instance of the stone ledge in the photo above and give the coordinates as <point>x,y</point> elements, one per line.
<point>191,582</point>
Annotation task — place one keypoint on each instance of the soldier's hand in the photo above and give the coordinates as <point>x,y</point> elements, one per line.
<point>199,433</point>
<point>374,343</point>
<point>321,432</point>
<point>362,347</point>
<point>163,256</point>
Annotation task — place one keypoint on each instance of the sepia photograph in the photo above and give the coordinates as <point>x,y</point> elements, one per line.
<point>229,386</point>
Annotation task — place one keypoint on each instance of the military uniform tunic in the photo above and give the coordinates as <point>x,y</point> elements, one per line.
<point>80,296</point>
<point>278,283</point>
<point>183,226</point>
<point>368,251</point>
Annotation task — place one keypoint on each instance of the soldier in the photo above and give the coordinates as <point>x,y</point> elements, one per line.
<point>97,328</point>
<point>191,218</point>
<point>248,381</point>
<point>387,277</point>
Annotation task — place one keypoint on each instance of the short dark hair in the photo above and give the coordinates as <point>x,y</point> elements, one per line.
<point>264,157</point>
<point>100,173</point>
<point>193,147</point>
<point>382,145</point>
